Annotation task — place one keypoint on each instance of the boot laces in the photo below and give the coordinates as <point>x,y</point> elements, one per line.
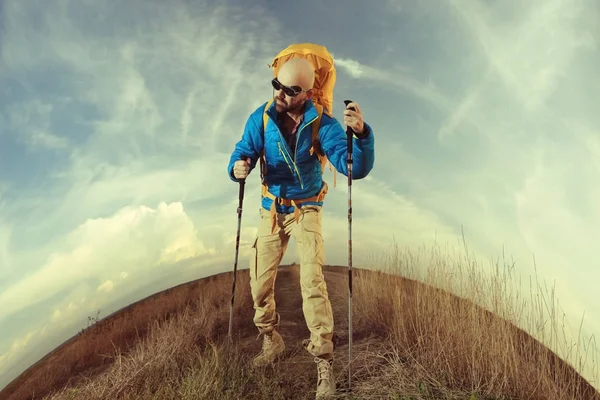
<point>323,368</point>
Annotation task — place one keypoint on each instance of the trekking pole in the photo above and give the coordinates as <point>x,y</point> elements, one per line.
<point>349,134</point>
<point>237,248</point>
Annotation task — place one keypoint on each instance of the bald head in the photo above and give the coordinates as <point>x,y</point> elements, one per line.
<point>297,72</point>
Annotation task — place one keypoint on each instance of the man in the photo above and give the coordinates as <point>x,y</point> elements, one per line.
<point>294,173</point>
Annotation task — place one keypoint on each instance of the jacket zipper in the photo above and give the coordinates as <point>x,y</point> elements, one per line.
<point>284,157</point>
<point>296,150</point>
<point>282,152</point>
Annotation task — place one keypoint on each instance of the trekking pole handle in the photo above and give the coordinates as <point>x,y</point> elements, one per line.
<point>349,130</point>
<point>242,184</point>
<point>346,102</point>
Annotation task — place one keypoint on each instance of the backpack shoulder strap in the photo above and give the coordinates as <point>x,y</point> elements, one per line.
<point>316,145</point>
<point>263,163</point>
<point>265,116</point>
<point>316,125</point>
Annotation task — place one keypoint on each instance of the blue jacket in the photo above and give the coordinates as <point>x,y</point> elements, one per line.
<point>298,176</point>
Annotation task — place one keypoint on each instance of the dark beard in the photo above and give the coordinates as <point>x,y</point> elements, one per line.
<point>284,108</point>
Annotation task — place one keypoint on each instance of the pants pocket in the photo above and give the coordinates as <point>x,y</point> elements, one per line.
<point>310,237</point>
<point>253,260</point>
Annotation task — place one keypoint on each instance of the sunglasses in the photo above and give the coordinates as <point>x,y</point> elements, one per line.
<point>291,91</point>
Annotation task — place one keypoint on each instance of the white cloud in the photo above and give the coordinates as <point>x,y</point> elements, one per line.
<point>352,67</point>
<point>22,342</point>
<point>142,239</point>
<point>56,315</point>
<point>44,330</point>
<point>395,77</point>
<point>135,238</point>
<point>107,287</point>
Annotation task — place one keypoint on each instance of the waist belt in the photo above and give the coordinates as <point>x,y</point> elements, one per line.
<point>297,203</point>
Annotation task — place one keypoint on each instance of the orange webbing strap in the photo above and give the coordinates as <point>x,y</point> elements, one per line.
<point>297,203</point>
<point>262,159</point>
<point>316,145</point>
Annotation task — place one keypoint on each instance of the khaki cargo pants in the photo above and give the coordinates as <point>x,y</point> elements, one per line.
<point>268,250</point>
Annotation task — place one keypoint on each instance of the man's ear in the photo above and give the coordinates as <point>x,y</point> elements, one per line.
<point>309,94</point>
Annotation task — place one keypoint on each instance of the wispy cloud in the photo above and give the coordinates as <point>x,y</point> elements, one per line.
<point>118,122</point>
<point>396,78</point>
<point>144,106</point>
<point>511,149</point>
<point>516,63</point>
<point>31,119</point>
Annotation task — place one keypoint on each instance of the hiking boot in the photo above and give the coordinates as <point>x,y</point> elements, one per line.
<point>272,347</point>
<point>326,380</point>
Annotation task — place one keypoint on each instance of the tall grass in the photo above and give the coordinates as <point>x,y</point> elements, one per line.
<point>428,325</point>
<point>470,329</point>
<point>154,334</point>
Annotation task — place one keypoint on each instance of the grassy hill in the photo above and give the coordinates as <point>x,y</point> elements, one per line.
<point>411,340</point>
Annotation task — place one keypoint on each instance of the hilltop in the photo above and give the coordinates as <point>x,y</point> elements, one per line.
<point>410,341</point>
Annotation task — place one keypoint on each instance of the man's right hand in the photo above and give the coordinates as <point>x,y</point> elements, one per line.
<point>241,169</point>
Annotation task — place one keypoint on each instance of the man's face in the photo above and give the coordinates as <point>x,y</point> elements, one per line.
<point>292,101</point>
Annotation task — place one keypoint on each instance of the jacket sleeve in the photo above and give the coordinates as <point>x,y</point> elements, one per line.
<point>250,145</point>
<point>334,143</point>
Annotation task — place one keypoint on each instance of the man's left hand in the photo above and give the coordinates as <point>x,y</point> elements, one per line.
<point>354,119</point>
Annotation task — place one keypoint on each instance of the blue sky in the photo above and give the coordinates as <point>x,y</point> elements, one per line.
<point>117,123</point>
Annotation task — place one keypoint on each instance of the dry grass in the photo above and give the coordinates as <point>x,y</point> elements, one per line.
<point>418,334</point>
<point>471,344</point>
<point>191,313</point>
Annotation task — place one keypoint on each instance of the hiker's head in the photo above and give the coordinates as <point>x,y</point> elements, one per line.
<point>293,85</point>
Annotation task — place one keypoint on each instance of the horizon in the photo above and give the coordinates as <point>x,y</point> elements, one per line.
<point>118,123</point>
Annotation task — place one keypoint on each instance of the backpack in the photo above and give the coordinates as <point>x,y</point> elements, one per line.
<point>325,78</point>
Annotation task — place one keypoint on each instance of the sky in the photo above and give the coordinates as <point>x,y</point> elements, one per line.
<point>117,123</point>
